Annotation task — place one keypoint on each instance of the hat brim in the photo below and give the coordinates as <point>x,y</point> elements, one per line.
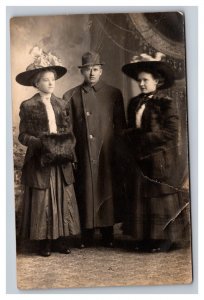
<point>27,78</point>
<point>133,69</point>
<point>90,64</point>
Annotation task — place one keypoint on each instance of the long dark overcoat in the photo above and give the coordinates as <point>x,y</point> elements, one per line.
<point>34,123</point>
<point>98,117</point>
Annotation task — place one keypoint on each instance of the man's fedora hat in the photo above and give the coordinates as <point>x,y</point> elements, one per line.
<point>90,59</point>
<point>42,62</point>
<point>153,65</point>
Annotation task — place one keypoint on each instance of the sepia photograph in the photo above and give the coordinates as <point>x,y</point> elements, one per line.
<point>100,150</point>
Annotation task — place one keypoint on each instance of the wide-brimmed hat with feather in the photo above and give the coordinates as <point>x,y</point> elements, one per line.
<point>153,65</point>
<point>43,61</point>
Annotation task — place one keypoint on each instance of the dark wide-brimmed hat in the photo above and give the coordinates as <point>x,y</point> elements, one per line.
<point>42,62</point>
<point>155,66</point>
<point>90,59</point>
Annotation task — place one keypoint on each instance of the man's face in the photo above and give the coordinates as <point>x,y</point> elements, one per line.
<point>92,74</point>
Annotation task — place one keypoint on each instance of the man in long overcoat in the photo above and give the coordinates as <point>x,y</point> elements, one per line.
<point>98,118</point>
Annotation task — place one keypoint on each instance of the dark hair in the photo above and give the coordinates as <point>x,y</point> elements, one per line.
<point>38,76</point>
<point>154,73</point>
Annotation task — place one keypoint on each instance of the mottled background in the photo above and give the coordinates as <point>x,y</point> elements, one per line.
<point>67,37</point>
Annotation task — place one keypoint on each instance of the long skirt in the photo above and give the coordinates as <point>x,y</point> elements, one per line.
<point>155,218</point>
<point>50,213</point>
<point>160,218</point>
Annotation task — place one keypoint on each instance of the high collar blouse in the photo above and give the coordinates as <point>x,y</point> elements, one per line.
<point>50,113</point>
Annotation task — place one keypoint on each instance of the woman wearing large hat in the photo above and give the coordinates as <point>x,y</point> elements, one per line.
<point>152,141</point>
<point>50,210</point>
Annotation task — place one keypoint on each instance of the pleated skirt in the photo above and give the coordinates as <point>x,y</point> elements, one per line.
<point>50,213</point>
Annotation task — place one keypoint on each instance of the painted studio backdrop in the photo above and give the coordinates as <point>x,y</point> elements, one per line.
<point>117,38</point>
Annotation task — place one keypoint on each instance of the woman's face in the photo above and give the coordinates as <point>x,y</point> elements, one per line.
<point>147,82</point>
<point>46,82</point>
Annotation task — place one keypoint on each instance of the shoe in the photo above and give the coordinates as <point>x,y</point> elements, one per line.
<point>87,239</point>
<point>155,250</point>
<point>107,236</point>
<point>45,248</point>
<point>86,244</point>
<point>137,249</point>
<point>65,250</point>
<point>161,246</point>
<point>108,244</point>
<point>45,253</point>
<point>82,246</point>
<point>142,246</point>
<point>60,246</point>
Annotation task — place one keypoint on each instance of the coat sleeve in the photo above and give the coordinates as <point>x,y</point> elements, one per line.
<point>119,114</point>
<point>131,133</point>
<point>68,100</point>
<point>120,125</point>
<point>24,137</point>
<point>167,131</point>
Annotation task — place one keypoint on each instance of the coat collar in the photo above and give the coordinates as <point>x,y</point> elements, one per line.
<point>158,99</point>
<point>37,98</point>
<point>87,88</point>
